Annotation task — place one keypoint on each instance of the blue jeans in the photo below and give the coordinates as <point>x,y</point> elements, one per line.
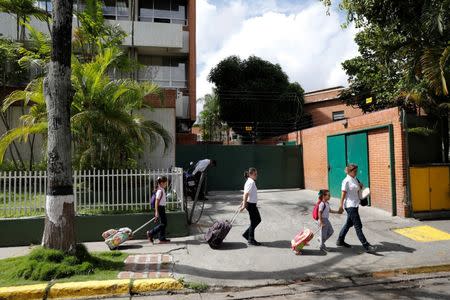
<point>353,219</point>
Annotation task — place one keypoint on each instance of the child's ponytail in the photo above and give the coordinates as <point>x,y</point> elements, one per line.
<point>246,174</point>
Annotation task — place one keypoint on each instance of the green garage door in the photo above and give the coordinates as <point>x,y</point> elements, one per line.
<point>357,153</point>
<point>336,163</point>
<point>344,149</point>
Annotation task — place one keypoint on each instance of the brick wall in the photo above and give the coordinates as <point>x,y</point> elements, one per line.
<point>322,112</point>
<point>169,100</point>
<point>315,155</point>
<point>379,169</point>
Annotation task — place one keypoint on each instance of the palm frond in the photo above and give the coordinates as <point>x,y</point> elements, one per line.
<point>19,133</point>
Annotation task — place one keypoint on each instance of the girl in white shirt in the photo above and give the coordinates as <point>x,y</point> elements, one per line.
<point>249,201</point>
<point>350,197</point>
<point>160,212</point>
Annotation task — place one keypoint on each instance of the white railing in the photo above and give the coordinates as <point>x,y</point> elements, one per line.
<point>95,191</point>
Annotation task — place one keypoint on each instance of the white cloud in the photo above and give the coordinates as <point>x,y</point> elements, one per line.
<point>308,44</point>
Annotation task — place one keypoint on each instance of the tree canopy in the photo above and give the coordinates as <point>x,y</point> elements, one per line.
<point>404,48</point>
<point>256,98</point>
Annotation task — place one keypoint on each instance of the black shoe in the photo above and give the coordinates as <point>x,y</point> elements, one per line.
<point>254,243</point>
<point>164,241</point>
<point>343,244</point>
<point>369,248</point>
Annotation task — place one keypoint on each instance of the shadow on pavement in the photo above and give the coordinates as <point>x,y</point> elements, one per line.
<point>313,252</point>
<point>232,246</point>
<point>391,247</point>
<point>278,244</point>
<point>126,247</point>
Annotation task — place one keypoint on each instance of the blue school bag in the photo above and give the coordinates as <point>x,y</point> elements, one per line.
<point>153,199</point>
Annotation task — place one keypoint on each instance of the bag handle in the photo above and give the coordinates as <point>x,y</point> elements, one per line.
<point>236,213</point>
<point>136,230</point>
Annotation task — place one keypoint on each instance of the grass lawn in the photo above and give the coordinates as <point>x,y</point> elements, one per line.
<point>43,265</point>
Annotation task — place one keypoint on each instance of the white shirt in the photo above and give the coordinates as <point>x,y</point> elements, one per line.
<point>161,195</point>
<point>201,166</point>
<point>351,186</point>
<point>325,209</point>
<point>250,188</point>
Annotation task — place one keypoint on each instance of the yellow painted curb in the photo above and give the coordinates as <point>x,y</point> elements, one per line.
<point>89,289</point>
<point>153,285</point>
<point>29,292</point>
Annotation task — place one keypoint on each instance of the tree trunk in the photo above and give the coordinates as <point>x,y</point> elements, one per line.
<point>59,230</point>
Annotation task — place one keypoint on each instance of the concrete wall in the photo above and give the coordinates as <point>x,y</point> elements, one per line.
<point>314,141</point>
<point>157,158</point>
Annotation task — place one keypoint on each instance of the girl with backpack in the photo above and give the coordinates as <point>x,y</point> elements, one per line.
<point>160,212</point>
<point>321,214</point>
<point>249,201</point>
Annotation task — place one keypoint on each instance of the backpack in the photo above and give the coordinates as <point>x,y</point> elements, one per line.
<point>153,200</point>
<point>315,213</point>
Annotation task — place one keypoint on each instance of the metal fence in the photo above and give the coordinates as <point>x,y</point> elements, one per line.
<point>96,191</point>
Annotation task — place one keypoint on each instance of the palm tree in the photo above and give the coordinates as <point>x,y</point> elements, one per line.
<point>22,10</point>
<point>107,132</point>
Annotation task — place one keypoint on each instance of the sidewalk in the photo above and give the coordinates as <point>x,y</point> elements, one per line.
<point>284,213</point>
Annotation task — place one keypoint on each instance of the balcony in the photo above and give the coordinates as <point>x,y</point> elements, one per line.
<point>166,71</point>
<point>151,34</point>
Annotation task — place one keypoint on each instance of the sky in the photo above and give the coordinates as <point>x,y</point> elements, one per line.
<point>297,34</point>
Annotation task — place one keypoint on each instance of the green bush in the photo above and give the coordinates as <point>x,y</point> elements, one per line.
<point>46,264</point>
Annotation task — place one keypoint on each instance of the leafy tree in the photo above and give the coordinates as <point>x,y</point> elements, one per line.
<point>404,57</point>
<point>210,123</point>
<point>106,132</point>
<point>256,98</point>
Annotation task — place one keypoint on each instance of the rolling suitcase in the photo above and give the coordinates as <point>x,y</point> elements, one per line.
<point>114,238</point>
<point>218,231</point>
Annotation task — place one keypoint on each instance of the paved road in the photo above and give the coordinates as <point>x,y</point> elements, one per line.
<point>425,286</point>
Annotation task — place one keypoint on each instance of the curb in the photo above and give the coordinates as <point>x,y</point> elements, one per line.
<point>89,289</point>
<point>411,271</point>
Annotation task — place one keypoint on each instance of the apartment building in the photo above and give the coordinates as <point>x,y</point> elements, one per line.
<point>161,35</point>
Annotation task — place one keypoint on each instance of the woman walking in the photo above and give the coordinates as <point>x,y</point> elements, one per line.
<point>350,200</point>
<point>249,201</point>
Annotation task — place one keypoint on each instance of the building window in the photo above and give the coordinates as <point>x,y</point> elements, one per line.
<point>163,11</point>
<point>338,115</point>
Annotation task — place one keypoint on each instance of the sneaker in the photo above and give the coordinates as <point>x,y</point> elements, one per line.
<point>254,243</point>
<point>369,248</point>
<point>343,244</point>
<point>324,248</point>
<point>150,237</point>
<point>164,241</point>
